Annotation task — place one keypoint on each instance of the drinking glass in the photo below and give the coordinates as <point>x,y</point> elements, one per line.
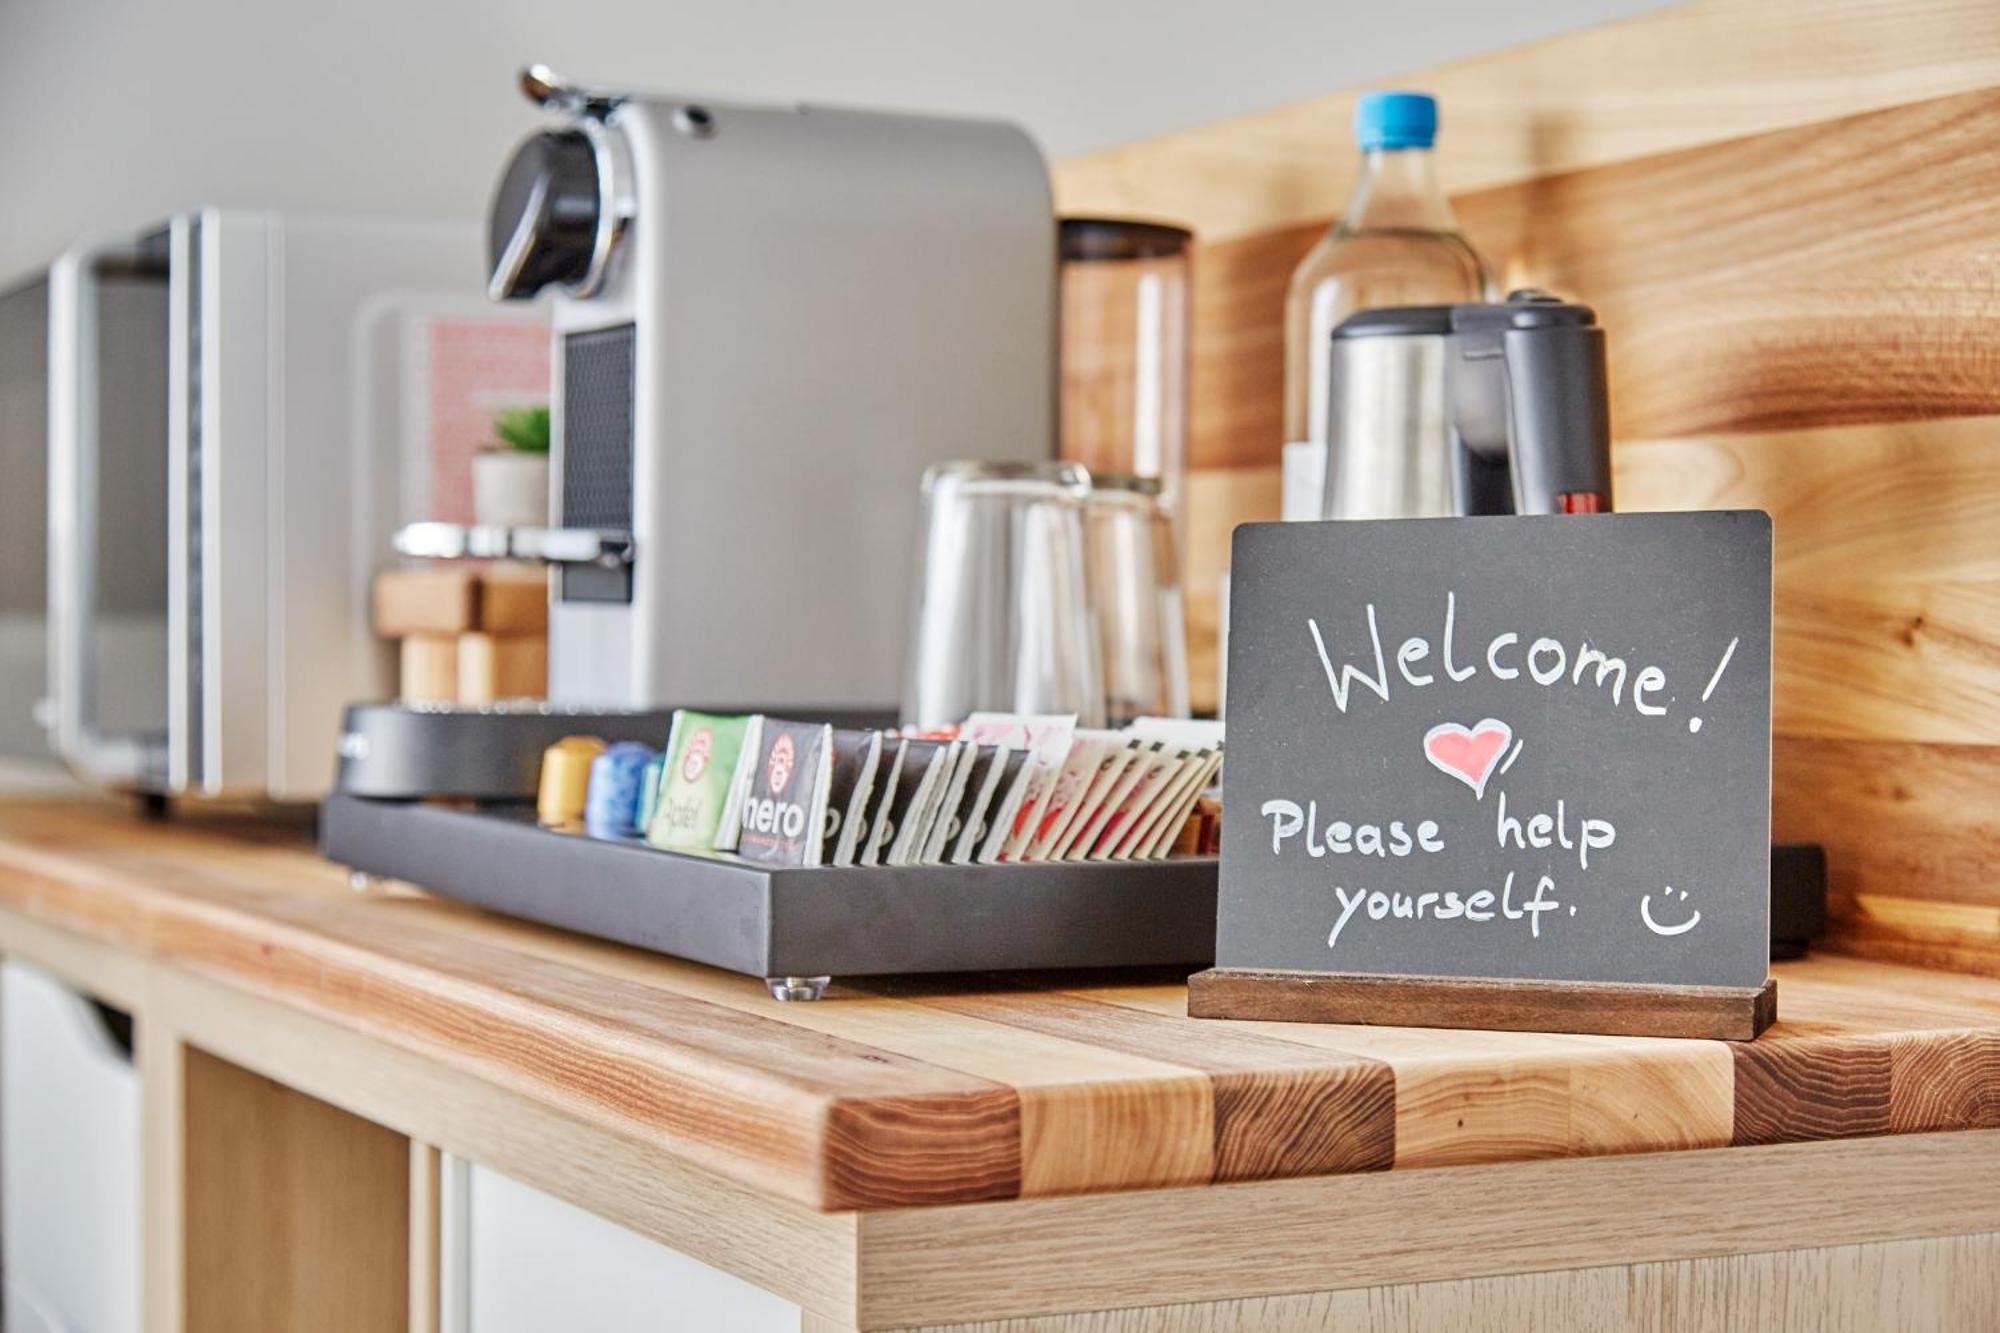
<point>1134,596</point>
<point>1001,618</point>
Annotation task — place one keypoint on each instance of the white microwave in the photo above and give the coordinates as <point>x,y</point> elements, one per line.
<point>243,407</point>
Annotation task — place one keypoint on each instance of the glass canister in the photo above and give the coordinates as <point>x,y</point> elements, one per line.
<point>1125,350</point>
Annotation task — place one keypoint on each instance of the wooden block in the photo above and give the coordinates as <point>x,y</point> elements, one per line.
<point>430,599</point>
<point>461,598</point>
<point>1722,1013</point>
<point>1817,1087</point>
<point>429,670</point>
<point>1944,1082</point>
<point>513,600</point>
<point>502,666</point>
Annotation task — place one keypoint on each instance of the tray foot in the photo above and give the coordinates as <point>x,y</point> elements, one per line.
<point>797,988</point>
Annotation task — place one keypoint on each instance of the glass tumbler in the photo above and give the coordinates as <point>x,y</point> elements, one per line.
<point>1135,599</point>
<point>1001,617</point>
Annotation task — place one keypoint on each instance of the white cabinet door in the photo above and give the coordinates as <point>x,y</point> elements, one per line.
<point>69,1162</point>
<point>515,1260</point>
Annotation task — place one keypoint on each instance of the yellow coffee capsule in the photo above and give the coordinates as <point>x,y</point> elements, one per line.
<point>565,784</point>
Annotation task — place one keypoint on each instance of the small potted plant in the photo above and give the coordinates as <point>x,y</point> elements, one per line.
<point>510,477</point>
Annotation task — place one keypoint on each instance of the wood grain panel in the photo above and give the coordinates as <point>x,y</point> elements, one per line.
<point>1944,1084</point>
<point>852,1123</point>
<point>1236,358</point>
<point>923,1097</point>
<point>1101,1252</point>
<point>1092,1118</point>
<point>1280,1109</point>
<point>1946,1284</point>
<point>1754,304</point>
<point>1817,1086</point>
<point>1217,500</point>
<point>830,1122</point>
<point>1887,578</point>
<point>1832,274</point>
<point>1916,1185</point>
<point>1896,818</point>
<point>296,1214</point>
<point>1922,932</point>
<point>631,1180</point>
<point>1839,995</point>
<point>1689,74</point>
<point>1828,274</point>
<point>1910,851</point>
<point>1786,225</point>
<point>1471,1097</point>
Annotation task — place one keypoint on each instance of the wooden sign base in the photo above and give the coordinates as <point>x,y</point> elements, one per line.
<point>1723,1013</point>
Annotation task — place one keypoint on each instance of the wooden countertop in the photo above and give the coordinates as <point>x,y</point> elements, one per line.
<point>924,1092</point>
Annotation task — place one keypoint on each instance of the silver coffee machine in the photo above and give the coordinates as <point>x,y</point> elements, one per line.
<point>1468,409</point>
<point>768,322</point>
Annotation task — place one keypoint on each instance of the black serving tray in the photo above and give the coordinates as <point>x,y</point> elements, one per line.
<point>797,927</point>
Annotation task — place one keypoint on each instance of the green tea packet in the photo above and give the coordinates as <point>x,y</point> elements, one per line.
<point>701,754</point>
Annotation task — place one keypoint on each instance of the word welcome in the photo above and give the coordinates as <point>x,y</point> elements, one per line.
<point>1546,661</point>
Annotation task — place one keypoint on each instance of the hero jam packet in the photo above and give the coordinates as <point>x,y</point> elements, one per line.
<point>1001,788</point>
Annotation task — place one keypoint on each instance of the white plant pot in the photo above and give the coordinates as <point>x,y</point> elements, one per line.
<point>510,489</point>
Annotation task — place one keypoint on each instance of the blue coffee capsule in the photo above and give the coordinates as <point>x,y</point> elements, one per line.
<point>612,807</point>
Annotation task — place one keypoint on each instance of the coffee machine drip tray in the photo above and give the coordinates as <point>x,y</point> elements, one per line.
<point>795,927</point>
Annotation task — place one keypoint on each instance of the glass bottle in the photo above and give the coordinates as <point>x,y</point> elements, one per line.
<point>1397,244</point>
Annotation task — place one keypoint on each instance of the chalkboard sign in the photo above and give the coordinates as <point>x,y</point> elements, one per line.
<point>1516,750</point>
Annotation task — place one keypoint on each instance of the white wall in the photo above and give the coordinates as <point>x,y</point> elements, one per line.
<point>115,111</point>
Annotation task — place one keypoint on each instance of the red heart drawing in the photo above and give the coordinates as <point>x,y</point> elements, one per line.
<point>1469,754</point>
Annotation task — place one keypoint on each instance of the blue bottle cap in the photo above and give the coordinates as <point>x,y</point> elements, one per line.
<point>1395,120</point>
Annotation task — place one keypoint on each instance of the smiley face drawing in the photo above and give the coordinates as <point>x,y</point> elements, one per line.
<point>1646,913</point>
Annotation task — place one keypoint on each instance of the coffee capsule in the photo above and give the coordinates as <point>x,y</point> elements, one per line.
<point>617,781</point>
<point>565,785</point>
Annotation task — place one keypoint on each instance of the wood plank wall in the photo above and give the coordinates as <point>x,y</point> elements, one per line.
<point>1787,213</point>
